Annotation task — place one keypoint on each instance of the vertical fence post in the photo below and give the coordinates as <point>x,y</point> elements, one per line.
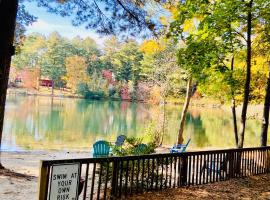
<point>183,170</point>
<point>114,180</point>
<point>238,160</point>
<point>43,181</point>
<point>268,160</point>
<point>231,164</point>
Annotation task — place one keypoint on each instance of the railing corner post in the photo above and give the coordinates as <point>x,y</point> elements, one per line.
<point>114,180</point>
<point>268,160</point>
<point>183,171</point>
<point>43,181</point>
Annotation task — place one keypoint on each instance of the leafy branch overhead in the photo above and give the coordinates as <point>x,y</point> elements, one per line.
<point>109,16</point>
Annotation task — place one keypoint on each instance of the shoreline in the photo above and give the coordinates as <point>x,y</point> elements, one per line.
<point>254,111</point>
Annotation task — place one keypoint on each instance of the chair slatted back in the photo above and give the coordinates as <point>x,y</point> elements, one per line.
<point>101,148</point>
<point>120,140</point>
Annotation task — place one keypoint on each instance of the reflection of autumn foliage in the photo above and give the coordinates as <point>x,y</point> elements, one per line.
<point>124,106</point>
<point>58,123</point>
<point>196,95</point>
<point>195,113</point>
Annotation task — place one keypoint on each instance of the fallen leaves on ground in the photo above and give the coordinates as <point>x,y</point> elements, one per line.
<point>255,187</point>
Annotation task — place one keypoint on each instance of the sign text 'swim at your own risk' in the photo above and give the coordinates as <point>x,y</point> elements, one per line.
<point>64,182</point>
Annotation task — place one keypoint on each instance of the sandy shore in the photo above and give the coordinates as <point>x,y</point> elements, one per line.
<point>15,186</point>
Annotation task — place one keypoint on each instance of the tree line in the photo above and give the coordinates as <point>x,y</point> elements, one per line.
<point>80,64</point>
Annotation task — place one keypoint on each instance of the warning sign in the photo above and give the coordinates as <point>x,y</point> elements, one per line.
<point>64,182</point>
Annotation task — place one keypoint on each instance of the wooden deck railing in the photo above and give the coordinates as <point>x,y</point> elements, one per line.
<point>116,177</point>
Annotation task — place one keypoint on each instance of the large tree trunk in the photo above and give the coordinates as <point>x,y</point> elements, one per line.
<point>8,10</point>
<point>184,111</point>
<point>233,107</point>
<point>163,122</point>
<point>247,83</point>
<point>265,119</point>
<point>234,121</point>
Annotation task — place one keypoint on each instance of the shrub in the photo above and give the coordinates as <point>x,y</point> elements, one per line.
<point>134,146</point>
<point>112,91</point>
<point>83,90</point>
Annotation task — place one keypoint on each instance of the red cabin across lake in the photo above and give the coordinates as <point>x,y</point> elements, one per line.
<point>45,82</point>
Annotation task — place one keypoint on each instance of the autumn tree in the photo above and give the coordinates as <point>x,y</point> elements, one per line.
<point>261,51</point>
<point>159,68</point>
<point>229,19</point>
<point>127,62</point>
<point>76,71</point>
<point>30,54</point>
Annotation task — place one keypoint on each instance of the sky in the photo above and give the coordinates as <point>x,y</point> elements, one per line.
<point>49,22</point>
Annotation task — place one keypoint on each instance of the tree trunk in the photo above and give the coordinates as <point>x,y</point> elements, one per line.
<point>8,10</point>
<point>234,121</point>
<point>265,119</point>
<point>247,83</point>
<point>184,111</point>
<point>233,107</point>
<point>52,87</point>
<point>163,122</point>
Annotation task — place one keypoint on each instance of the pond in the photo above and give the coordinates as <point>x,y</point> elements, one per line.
<point>44,123</point>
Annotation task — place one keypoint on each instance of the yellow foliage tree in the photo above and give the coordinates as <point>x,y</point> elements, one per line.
<point>76,71</point>
<point>151,47</point>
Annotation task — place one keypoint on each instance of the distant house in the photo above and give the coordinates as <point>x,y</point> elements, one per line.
<point>45,82</point>
<point>26,78</point>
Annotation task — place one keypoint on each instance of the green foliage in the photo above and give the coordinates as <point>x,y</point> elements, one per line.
<point>112,91</point>
<point>96,95</point>
<point>153,133</point>
<point>24,19</point>
<point>107,16</point>
<point>212,33</point>
<point>126,62</point>
<point>133,146</point>
<point>83,90</point>
<point>31,52</point>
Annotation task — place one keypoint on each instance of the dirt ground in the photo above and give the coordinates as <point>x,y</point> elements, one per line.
<point>256,187</point>
<point>20,181</point>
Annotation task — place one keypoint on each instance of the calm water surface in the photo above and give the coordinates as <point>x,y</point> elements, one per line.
<point>57,123</point>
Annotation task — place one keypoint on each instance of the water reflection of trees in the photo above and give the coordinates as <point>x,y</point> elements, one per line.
<point>42,122</point>
<point>70,122</point>
<point>195,122</point>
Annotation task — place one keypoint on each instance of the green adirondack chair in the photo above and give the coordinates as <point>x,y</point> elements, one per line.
<point>101,149</point>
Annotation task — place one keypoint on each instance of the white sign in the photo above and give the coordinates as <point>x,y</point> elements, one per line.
<point>64,182</point>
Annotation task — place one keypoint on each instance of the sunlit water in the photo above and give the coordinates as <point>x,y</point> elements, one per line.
<point>73,124</point>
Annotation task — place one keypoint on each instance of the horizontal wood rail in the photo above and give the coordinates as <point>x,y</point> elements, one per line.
<point>116,177</point>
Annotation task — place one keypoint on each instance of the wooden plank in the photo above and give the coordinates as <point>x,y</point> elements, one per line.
<point>43,181</point>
